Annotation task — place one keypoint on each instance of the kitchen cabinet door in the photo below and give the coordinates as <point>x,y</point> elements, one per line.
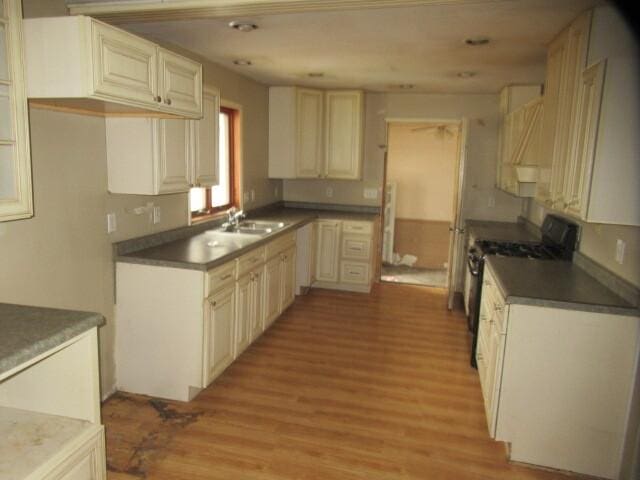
<point>148,156</point>
<point>219,323</point>
<point>257,302</point>
<point>555,61</point>
<point>173,174</point>
<point>579,167</point>
<point>288,266</point>
<point>15,155</point>
<point>180,83</point>
<point>343,134</point>
<point>243,313</point>
<point>272,290</point>
<point>124,65</point>
<point>309,118</point>
<point>205,169</point>
<point>328,253</point>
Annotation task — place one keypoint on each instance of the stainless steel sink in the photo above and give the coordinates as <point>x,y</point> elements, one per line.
<point>251,228</point>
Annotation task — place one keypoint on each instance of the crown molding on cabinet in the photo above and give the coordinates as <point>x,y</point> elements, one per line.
<point>122,11</point>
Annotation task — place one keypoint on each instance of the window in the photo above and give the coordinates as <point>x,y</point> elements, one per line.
<point>207,201</point>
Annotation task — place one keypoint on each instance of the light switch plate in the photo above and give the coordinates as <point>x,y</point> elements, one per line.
<point>111,222</point>
<point>329,192</point>
<point>156,215</point>
<point>370,193</point>
<point>620,246</point>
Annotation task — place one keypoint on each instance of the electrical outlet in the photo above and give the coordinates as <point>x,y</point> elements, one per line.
<point>371,193</point>
<point>329,192</point>
<point>111,222</point>
<point>156,215</point>
<point>246,197</point>
<point>620,246</point>
<point>492,201</point>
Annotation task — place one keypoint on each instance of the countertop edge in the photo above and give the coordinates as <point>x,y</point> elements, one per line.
<point>24,355</point>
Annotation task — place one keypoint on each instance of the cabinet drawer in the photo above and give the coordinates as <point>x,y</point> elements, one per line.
<point>357,247</point>
<point>250,260</point>
<point>354,272</point>
<point>351,226</point>
<point>280,244</point>
<point>220,277</point>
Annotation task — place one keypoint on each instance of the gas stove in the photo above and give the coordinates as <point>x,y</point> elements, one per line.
<point>535,251</point>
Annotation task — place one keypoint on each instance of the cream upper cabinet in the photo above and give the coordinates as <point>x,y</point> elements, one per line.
<point>86,64</point>
<point>308,143</point>
<point>219,333</point>
<point>124,66</point>
<point>343,134</point>
<point>205,169</point>
<point>15,155</point>
<point>148,156</point>
<point>328,253</point>
<point>315,134</point>
<point>582,148</point>
<point>595,173</point>
<point>180,83</point>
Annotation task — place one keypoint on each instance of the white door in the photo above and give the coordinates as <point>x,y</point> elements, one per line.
<point>309,118</point>
<point>272,287</point>
<point>174,161</point>
<point>124,66</point>
<point>180,83</point>
<point>205,169</point>
<point>219,333</point>
<point>328,250</point>
<point>257,301</point>
<point>343,134</point>
<point>243,314</point>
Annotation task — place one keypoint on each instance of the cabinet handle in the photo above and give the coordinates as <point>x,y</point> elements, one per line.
<point>214,303</point>
<point>167,101</point>
<point>479,356</point>
<point>158,99</point>
<point>319,176</point>
<point>498,308</point>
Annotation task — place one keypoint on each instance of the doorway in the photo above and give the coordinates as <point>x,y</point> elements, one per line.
<point>421,201</point>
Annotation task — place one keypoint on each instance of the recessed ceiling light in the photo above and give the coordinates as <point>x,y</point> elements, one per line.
<point>242,62</point>
<point>315,74</point>
<point>475,41</point>
<point>243,26</point>
<point>467,74</point>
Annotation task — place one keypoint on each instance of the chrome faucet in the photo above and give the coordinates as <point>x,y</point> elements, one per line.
<point>234,217</point>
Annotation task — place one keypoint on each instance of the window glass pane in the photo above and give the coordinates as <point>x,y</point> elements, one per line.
<point>5,114</point>
<point>7,172</point>
<point>4,54</point>
<point>197,199</point>
<point>220,193</point>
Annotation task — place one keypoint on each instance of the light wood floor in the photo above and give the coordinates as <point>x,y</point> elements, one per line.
<point>343,386</point>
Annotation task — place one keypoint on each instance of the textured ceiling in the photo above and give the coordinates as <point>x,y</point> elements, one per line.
<point>378,49</point>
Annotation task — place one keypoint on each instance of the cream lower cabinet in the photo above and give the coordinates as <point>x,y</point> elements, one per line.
<point>344,255</point>
<point>557,384</point>
<point>178,329</point>
<point>15,157</point>
<point>219,332</point>
<point>81,62</point>
<point>50,414</point>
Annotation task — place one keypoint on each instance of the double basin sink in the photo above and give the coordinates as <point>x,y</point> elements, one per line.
<point>245,233</point>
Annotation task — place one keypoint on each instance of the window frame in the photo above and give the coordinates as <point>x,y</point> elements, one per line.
<point>234,171</point>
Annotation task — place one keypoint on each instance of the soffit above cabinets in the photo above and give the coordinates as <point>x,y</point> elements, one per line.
<point>373,45</point>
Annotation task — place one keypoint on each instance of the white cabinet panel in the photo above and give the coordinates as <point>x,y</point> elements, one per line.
<point>309,114</point>
<point>272,291</point>
<point>180,83</point>
<point>328,251</point>
<point>219,333</point>
<point>343,138</point>
<point>243,314</point>
<point>288,277</point>
<point>15,155</point>
<point>124,65</point>
<point>175,156</point>
<point>205,170</point>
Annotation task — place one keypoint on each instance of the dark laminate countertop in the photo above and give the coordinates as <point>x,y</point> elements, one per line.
<point>196,253</point>
<point>504,231</point>
<point>26,332</point>
<point>555,284</point>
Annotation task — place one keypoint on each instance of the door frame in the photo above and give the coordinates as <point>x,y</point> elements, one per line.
<point>456,239</point>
